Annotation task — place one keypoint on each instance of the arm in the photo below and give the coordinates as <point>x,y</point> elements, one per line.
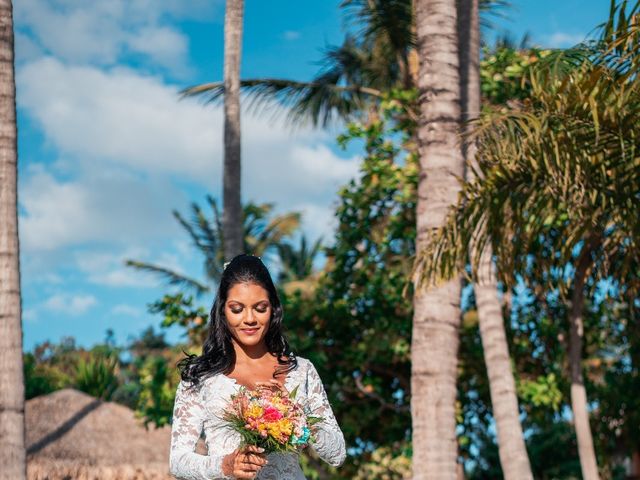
<point>329,441</point>
<point>188,417</point>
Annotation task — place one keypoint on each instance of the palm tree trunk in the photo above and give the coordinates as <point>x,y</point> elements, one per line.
<point>513,453</point>
<point>232,206</point>
<point>12,450</point>
<point>436,320</point>
<point>586,452</point>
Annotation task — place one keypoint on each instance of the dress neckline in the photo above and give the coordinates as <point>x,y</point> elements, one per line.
<point>286,378</point>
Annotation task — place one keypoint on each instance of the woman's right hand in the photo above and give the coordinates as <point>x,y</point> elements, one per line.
<point>244,463</point>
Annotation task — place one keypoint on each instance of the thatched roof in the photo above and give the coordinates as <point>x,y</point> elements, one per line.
<point>73,435</point>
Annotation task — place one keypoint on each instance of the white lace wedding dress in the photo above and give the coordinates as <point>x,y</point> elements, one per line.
<point>202,409</point>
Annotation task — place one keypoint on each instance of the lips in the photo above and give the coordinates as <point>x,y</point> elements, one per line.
<point>249,331</point>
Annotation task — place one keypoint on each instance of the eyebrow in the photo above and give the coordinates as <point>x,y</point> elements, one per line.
<point>240,303</point>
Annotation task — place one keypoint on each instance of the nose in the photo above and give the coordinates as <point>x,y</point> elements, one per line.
<point>249,318</point>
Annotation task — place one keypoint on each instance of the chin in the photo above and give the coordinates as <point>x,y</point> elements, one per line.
<point>250,340</point>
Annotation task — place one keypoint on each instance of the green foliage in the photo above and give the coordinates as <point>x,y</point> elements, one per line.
<point>97,376</point>
<point>297,263</point>
<point>40,378</point>
<point>556,175</point>
<point>158,384</point>
<point>356,325</point>
<point>387,463</point>
<point>179,309</point>
<point>543,391</point>
<point>503,73</point>
<point>378,55</point>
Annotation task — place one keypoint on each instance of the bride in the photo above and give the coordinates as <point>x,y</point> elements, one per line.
<point>245,347</point>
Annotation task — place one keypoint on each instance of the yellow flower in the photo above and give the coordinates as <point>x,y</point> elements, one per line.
<point>254,411</point>
<point>281,429</point>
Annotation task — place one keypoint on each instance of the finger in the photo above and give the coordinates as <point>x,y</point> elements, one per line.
<point>261,385</point>
<point>252,449</point>
<point>256,459</point>
<point>272,384</point>
<point>247,467</point>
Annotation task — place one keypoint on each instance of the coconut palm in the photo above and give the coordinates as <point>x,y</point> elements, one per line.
<point>12,448</point>
<point>231,191</point>
<point>297,263</point>
<point>513,453</point>
<point>436,319</point>
<point>380,55</point>
<point>561,171</point>
<point>261,235</point>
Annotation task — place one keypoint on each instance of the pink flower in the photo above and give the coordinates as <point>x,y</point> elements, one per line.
<point>271,414</point>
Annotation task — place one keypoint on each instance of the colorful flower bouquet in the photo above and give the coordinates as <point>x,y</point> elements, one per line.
<point>268,419</point>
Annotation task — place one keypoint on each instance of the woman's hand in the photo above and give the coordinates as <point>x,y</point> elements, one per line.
<point>244,463</point>
<point>273,385</point>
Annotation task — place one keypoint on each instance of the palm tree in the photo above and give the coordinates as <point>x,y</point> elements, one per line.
<point>297,263</point>
<point>12,448</point>
<point>261,235</point>
<point>561,170</point>
<point>380,56</point>
<point>231,197</point>
<point>513,453</point>
<point>436,319</point>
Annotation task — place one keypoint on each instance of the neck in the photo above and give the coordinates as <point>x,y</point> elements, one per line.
<point>249,353</point>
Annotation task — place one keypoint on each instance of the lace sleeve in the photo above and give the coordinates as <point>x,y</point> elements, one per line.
<point>188,418</point>
<point>329,443</point>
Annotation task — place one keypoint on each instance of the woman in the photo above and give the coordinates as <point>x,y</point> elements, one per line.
<point>245,347</point>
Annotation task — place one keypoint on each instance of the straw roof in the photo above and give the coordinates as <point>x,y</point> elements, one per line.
<point>73,435</point>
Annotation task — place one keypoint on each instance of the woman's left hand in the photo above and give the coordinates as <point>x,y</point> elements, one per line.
<point>273,385</point>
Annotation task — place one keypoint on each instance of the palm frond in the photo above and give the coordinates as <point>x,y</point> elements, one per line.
<point>170,276</point>
<point>297,263</point>
<point>319,102</point>
<point>562,171</point>
<point>387,28</point>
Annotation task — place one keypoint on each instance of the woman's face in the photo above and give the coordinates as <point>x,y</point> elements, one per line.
<point>248,312</point>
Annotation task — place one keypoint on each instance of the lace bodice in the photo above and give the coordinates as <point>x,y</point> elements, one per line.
<point>201,409</point>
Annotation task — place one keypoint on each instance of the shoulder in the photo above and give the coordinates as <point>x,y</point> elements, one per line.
<point>304,365</point>
<point>188,388</point>
<point>306,368</point>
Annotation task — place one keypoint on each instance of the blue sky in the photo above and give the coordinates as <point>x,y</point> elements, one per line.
<point>107,151</point>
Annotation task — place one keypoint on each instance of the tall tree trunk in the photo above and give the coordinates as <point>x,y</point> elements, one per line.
<point>12,450</point>
<point>436,319</point>
<point>586,452</point>
<point>232,222</point>
<point>513,453</point>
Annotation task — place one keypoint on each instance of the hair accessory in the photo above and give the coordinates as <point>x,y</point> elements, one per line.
<point>226,264</point>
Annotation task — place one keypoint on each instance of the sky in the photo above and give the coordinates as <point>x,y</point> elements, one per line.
<point>107,149</point>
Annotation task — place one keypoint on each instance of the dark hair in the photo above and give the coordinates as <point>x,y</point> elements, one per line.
<point>218,354</point>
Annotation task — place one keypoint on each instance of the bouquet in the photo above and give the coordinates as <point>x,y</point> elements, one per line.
<point>269,419</point>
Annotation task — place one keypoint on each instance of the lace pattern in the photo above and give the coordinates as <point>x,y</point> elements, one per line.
<point>200,410</point>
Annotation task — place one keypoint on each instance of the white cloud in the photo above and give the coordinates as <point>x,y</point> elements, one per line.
<point>44,277</point>
<point>103,32</point>
<point>291,35</point>
<point>116,208</point>
<point>30,315</point>
<point>25,48</point>
<point>126,310</point>
<point>109,269</point>
<point>121,117</point>
<point>166,46</point>
<point>295,174</point>
<point>319,221</point>
<point>563,39</point>
<point>137,123</point>
<point>70,304</point>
